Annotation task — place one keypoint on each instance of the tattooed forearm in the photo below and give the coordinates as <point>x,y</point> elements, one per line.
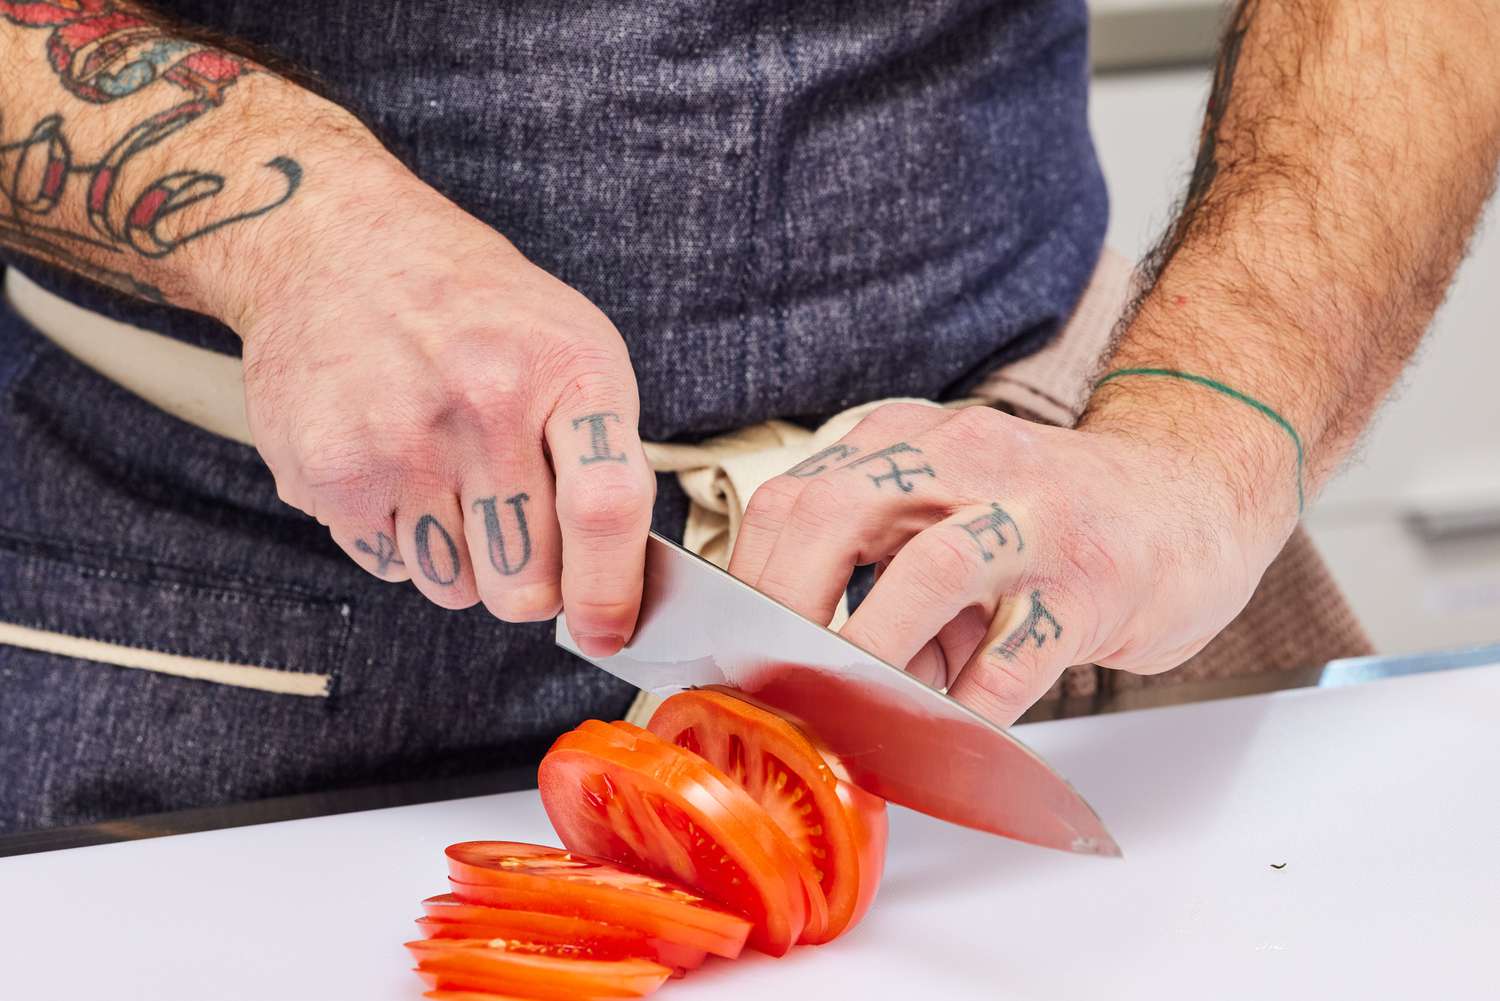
<point>995,524</point>
<point>821,461</point>
<point>1038,628</point>
<point>897,473</point>
<point>598,425</point>
<point>507,559</point>
<point>442,570</point>
<point>384,550</point>
<point>1207,166</point>
<point>88,213</point>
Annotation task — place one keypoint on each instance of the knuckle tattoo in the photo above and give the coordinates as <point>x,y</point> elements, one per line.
<point>383,550</point>
<point>598,431</point>
<point>511,559</point>
<point>901,469</point>
<point>1038,629</point>
<point>993,527</point>
<point>822,460</point>
<point>443,567</point>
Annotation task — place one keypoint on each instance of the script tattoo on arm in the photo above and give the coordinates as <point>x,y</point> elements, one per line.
<point>896,473</point>
<point>1038,628</point>
<point>102,51</point>
<point>384,551</point>
<point>495,537</point>
<point>994,524</point>
<point>599,438</point>
<point>427,525</point>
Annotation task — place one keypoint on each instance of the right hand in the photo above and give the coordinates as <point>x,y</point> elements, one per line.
<point>455,415</point>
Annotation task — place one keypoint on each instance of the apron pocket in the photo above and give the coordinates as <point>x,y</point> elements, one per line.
<point>111,609</point>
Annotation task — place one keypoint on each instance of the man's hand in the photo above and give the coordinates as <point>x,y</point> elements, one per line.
<point>1010,551</point>
<point>452,413</point>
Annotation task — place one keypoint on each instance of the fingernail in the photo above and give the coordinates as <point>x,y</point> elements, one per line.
<point>600,645</point>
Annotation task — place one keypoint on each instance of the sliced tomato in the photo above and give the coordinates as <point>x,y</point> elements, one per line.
<point>555,972</point>
<point>657,808</point>
<point>730,791</point>
<point>449,917</point>
<point>441,995</point>
<point>514,876</point>
<point>839,827</point>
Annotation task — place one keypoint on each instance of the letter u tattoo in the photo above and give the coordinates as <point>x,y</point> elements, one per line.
<point>495,535</point>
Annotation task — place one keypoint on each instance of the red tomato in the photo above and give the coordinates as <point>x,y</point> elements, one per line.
<point>440,995</point>
<point>449,917</point>
<point>506,874</point>
<point>543,972</point>
<point>651,806</point>
<point>839,827</point>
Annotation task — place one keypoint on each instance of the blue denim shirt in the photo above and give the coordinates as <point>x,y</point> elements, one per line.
<point>787,208</point>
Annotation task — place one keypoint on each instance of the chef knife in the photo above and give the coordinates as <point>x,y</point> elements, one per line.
<point>894,735</point>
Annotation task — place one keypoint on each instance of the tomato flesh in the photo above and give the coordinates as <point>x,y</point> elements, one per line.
<point>657,808</point>
<point>838,827</point>
<point>552,972</point>
<point>449,917</point>
<point>513,876</point>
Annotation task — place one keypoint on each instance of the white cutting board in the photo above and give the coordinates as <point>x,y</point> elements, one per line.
<point>1383,801</point>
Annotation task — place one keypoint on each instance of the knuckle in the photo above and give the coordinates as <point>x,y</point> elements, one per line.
<point>977,427</point>
<point>584,371</point>
<point>528,603</point>
<point>894,415</point>
<point>770,504</point>
<point>599,616</point>
<point>482,396</point>
<point>947,568</point>
<point>608,504</point>
<point>821,507</point>
<point>453,599</point>
<point>1006,686</point>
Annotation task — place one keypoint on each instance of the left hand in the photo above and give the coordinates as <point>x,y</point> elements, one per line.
<point>1010,550</point>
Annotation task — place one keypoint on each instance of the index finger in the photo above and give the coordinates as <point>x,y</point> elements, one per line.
<point>605,489</point>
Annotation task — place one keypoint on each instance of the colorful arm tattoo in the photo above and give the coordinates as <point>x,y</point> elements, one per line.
<point>101,53</point>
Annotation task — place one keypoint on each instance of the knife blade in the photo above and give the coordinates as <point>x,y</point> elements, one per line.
<point>894,735</point>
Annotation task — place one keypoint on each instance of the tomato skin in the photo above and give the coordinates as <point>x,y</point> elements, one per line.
<point>651,806</point>
<point>513,876</point>
<point>871,827</point>
<point>545,973</point>
<point>840,828</point>
<point>449,917</point>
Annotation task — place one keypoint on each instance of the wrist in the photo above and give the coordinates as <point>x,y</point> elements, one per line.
<point>1223,448</point>
<point>282,163</point>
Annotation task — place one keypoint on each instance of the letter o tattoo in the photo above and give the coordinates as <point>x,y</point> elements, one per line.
<point>424,552</point>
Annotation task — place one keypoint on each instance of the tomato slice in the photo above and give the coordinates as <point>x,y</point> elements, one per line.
<point>839,827</point>
<point>449,917</point>
<point>514,876</point>
<point>544,972</point>
<point>442,995</point>
<point>730,791</point>
<point>651,806</point>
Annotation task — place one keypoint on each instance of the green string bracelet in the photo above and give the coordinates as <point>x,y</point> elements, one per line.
<point>1233,394</point>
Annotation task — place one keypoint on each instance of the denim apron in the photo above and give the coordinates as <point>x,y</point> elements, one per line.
<point>787,209</point>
